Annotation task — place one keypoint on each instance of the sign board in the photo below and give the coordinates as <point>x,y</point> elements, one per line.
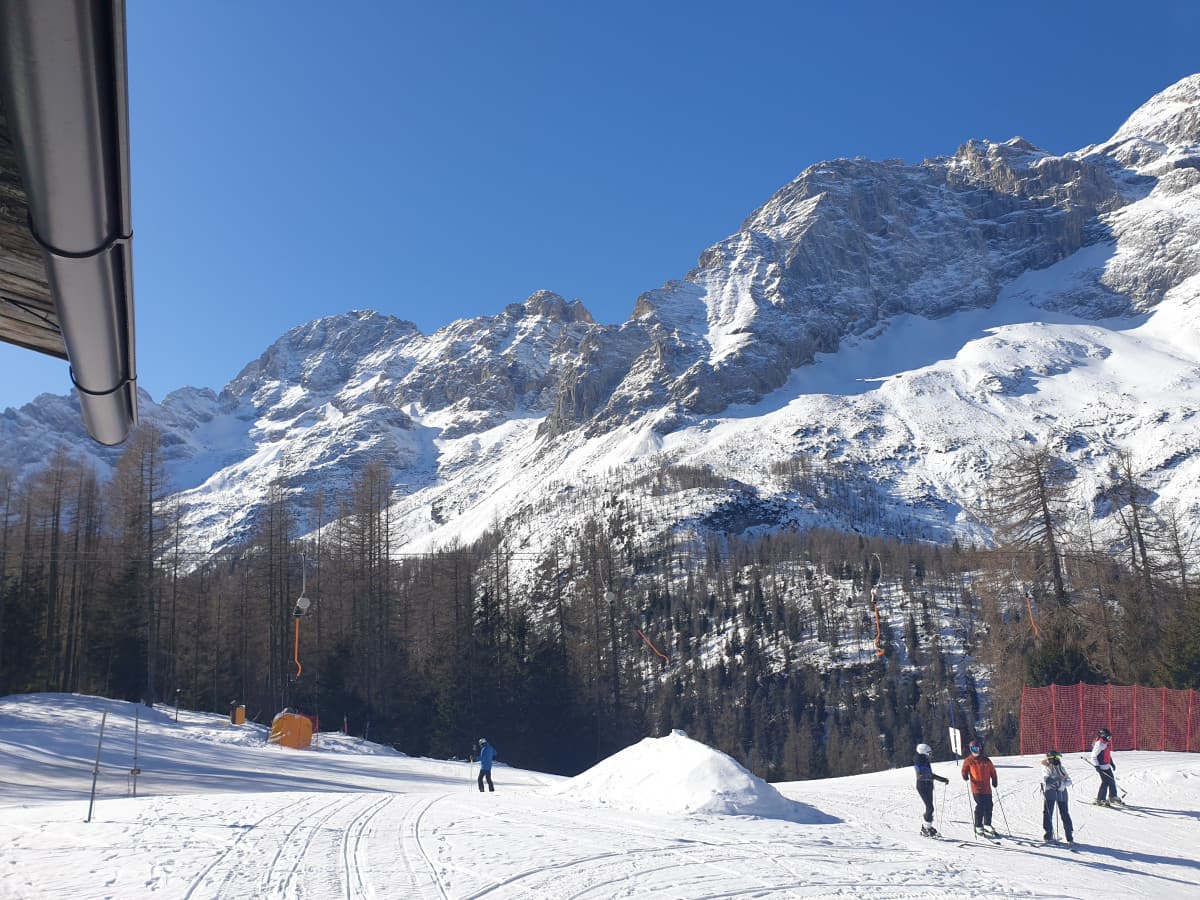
<point>956,740</point>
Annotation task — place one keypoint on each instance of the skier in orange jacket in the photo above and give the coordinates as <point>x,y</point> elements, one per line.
<point>978,769</point>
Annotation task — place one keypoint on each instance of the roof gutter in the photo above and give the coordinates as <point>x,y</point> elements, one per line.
<point>64,89</point>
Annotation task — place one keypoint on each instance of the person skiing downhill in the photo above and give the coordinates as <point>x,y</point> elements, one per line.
<point>487,753</point>
<point>925,780</point>
<point>1055,782</point>
<point>1105,768</point>
<point>978,769</point>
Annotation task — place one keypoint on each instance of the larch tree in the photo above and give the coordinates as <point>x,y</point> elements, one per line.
<point>1028,507</point>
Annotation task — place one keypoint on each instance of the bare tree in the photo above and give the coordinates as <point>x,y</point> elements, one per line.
<point>1130,502</point>
<point>1027,506</point>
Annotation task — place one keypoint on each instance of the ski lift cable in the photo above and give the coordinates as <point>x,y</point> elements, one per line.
<point>302,607</point>
<point>1029,606</point>
<point>879,651</point>
<point>649,643</point>
<point>1028,600</point>
<point>296,650</point>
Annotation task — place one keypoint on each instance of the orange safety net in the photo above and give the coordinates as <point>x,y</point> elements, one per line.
<point>1066,717</point>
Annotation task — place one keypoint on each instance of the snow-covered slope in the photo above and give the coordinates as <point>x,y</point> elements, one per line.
<point>220,814</point>
<point>902,325</point>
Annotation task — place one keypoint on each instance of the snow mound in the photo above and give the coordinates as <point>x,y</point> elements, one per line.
<point>680,776</point>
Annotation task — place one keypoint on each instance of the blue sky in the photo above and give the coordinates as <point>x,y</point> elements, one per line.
<point>436,161</point>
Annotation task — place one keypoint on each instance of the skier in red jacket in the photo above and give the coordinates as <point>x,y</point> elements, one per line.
<point>978,769</point>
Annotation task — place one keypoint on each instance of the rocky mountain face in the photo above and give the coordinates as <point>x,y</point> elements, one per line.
<point>845,247</point>
<point>903,322</point>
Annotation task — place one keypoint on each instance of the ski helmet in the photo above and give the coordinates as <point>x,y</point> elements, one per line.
<point>1053,754</point>
<point>482,741</point>
<point>1105,733</point>
<point>976,747</point>
<point>924,749</point>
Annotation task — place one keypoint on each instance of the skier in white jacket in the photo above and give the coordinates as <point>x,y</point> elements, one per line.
<point>1105,767</point>
<point>1055,782</point>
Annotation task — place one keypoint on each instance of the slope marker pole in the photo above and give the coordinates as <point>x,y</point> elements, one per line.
<point>96,768</point>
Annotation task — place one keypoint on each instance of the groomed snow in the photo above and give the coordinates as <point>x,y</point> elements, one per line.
<point>220,814</point>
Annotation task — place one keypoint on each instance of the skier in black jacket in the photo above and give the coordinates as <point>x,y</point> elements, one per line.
<point>925,780</point>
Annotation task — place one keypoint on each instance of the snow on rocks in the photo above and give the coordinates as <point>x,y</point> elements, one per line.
<point>677,775</point>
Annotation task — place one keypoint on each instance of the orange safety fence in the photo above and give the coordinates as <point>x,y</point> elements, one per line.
<point>1066,717</point>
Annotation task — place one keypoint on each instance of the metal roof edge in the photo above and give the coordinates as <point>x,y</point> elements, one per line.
<point>64,77</point>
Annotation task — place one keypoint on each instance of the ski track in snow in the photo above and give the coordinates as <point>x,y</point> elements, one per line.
<point>421,869</point>
<point>356,822</point>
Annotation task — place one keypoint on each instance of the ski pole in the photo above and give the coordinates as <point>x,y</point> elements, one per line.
<point>1000,800</point>
<point>1053,824</point>
<point>1095,767</point>
<point>1078,826</point>
<point>1121,791</point>
<point>942,808</point>
<point>1112,774</point>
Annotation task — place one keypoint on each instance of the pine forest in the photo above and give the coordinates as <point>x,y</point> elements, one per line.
<point>802,655</point>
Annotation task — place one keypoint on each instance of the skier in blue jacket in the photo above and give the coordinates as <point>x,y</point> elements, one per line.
<point>925,780</point>
<point>487,753</point>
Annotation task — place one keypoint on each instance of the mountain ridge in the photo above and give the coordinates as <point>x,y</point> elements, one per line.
<point>903,322</point>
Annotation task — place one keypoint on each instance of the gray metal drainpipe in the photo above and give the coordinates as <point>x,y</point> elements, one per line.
<point>63,78</point>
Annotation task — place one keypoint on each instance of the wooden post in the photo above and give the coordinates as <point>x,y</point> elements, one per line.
<point>135,771</point>
<point>1054,715</point>
<point>1082,736</point>
<point>1164,720</point>
<point>1109,723</point>
<point>1024,688</point>
<point>1188,739</point>
<point>1136,691</point>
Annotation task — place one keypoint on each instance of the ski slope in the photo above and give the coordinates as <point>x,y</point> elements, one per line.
<point>220,814</point>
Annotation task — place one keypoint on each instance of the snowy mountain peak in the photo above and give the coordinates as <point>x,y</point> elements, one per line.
<point>1162,134</point>
<point>550,305</point>
<point>1170,117</point>
<point>318,354</point>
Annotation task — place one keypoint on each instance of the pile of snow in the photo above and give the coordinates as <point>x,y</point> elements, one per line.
<point>675,775</point>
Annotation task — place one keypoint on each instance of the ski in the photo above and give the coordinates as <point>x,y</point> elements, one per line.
<point>945,840</point>
<point>1069,845</point>
<point>1126,809</point>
